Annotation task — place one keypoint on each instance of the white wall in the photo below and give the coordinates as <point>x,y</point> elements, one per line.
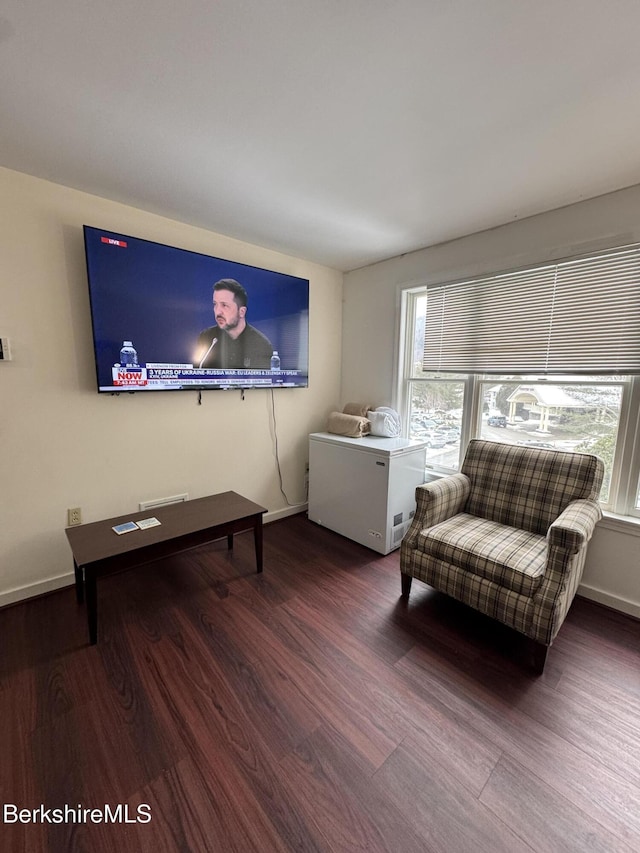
<point>370,334</point>
<point>63,445</point>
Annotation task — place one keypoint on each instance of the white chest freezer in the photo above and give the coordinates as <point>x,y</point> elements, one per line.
<point>364,488</point>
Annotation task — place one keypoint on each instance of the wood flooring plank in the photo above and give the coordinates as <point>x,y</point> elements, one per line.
<point>35,631</point>
<point>581,779</point>
<point>220,737</point>
<point>307,668</point>
<point>153,748</point>
<point>545,819</point>
<point>88,754</point>
<point>348,812</point>
<point>343,693</point>
<point>187,814</point>
<point>19,704</point>
<point>592,724</point>
<point>612,630</point>
<point>460,748</point>
<point>605,660</point>
<point>363,610</point>
<point>279,707</point>
<point>271,699</point>
<point>445,814</point>
<point>19,784</point>
<point>309,708</point>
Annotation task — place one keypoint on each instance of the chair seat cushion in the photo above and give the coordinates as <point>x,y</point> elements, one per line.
<point>510,557</point>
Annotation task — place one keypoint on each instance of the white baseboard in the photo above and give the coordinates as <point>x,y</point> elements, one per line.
<point>615,602</point>
<point>21,593</point>
<point>12,596</point>
<point>277,514</point>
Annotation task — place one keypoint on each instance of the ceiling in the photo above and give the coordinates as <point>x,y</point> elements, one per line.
<point>340,131</point>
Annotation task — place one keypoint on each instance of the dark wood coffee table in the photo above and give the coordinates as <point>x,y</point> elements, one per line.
<point>97,549</point>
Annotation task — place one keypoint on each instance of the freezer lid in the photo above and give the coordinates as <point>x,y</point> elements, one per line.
<point>371,443</point>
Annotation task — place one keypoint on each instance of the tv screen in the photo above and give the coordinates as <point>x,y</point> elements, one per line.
<point>167,319</point>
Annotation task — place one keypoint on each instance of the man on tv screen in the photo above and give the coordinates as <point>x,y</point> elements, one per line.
<point>232,343</point>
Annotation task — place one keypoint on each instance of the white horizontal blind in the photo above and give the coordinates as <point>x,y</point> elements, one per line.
<point>577,316</point>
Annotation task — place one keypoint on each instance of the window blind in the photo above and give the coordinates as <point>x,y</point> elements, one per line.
<point>579,316</point>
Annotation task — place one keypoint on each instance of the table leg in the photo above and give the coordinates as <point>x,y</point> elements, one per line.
<point>79,582</point>
<point>257,535</point>
<point>230,541</point>
<point>92,605</point>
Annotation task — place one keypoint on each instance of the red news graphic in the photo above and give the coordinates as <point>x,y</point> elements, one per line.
<point>128,377</point>
<point>112,242</point>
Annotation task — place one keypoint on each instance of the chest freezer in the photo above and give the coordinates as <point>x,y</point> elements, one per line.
<point>364,488</point>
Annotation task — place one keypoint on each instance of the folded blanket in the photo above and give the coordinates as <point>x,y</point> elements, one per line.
<point>358,409</point>
<point>385,422</point>
<point>351,425</point>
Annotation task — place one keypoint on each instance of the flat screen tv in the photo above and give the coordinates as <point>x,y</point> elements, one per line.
<point>167,319</point>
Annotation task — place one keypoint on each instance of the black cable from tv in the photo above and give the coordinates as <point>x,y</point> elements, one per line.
<point>275,435</point>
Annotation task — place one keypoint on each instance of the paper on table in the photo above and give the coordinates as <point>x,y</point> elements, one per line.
<point>148,522</point>
<point>127,527</point>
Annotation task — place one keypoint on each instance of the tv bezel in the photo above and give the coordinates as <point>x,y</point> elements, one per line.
<point>237,379</point>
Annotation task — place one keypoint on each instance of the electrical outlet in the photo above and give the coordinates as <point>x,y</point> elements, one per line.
<point>74,516</point>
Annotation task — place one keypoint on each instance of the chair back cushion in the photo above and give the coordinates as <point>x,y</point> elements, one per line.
<point>527,487</point>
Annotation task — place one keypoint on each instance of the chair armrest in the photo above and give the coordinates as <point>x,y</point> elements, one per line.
<point>567,539</point>
<point>574,527</point>
<point>436,502</point>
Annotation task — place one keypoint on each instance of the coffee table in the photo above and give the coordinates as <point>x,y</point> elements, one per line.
<point>97,549</point>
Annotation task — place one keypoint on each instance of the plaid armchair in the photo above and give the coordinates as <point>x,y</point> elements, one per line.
<point>507,535</point>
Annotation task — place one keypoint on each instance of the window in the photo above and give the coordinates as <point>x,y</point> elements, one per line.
<point>458,386</point>
<point>565,414</point>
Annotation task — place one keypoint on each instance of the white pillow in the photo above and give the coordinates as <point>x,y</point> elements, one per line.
<point>384,422</point>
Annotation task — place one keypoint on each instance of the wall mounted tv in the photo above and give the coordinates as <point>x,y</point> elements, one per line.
<point>167,319</point>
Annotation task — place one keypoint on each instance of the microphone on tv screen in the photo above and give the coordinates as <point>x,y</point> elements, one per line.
<point>213,343</point>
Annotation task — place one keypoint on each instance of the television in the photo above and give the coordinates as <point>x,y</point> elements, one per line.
<point>168,319</point>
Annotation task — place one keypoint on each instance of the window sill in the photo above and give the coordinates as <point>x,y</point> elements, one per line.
<point>628,524</point>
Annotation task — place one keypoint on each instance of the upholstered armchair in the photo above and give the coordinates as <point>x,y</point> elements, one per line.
<point>508,535</point>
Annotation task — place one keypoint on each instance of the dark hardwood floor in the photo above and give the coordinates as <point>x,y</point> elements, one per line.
<point>309,709</point>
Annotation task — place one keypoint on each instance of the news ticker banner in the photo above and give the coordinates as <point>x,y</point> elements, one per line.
<point>181,375</point>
